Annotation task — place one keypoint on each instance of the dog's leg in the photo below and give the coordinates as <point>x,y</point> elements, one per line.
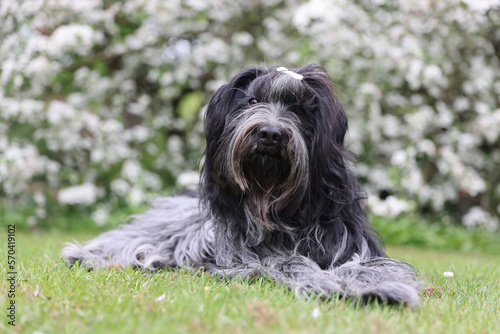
<point>381,279</point>
<point>172,234</point>
<point>378,279</point>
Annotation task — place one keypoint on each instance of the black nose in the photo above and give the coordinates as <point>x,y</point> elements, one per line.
<point>269,135</point>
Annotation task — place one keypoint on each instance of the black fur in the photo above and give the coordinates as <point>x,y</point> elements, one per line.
<point>278,198</point>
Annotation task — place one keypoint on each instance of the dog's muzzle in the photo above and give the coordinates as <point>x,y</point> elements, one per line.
<point>269,140</point>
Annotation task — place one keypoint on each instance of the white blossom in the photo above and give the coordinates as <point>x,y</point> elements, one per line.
<point>120,187</point>
<point>58,112</point>
<point>478,217</point>
<point>100,216</point>
<point>131,170</point>
<point>85,194</point>
<point>481,6</point>
<point>389,207</point>
<point>39,198</point>
<point>73,38</point>
<point>136,196</point>
<point>448,274</point>
<point>399,158</point>
<point>188,179</point>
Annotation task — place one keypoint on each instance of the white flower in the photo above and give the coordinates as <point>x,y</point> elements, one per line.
<point>448,274</point>
<point>488,125</point>
<point>100,216</point>
<point>120,187</point>
<point>138,133</point>
<point>478,217</point>
<point>41,67</point>
<point>39,198</point>
<point>174,144</point>
<point>77,38</point>
<point>313,10</point>
<point>85,194</point>
<point>399,158</point>
<point>188,179</point>
<point>59,111</point>
<point>131,170</point>
<point>432,73</point>
<point>461,103</point>
<point>427,146</point>
<point>8,67</point>
<point>315,313</point>
<point>242,38</point>
<point>139,107</point>
<point>136,196</point>
<point>390,207</point>
<point>160,298</point>
<point>370,88</point>
<point>481,6</point>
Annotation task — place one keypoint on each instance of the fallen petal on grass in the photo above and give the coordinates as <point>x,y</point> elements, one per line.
<point>159,299</point>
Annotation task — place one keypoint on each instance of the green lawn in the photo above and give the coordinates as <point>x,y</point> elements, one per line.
<point>52,298</point>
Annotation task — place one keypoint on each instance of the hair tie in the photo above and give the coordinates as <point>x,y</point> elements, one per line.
<point>292,74</point>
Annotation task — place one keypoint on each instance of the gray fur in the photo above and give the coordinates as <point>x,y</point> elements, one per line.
<point>174,234</point>
<point>273,114</point>
<point>171,234</point>
<point>292,212</point>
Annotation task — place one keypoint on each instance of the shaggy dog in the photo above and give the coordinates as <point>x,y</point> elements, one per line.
<point>277,198</point>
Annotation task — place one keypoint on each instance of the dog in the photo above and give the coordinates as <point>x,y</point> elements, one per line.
<point>278,197</point>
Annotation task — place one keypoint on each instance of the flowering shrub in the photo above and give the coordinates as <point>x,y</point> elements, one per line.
<point>425,118</point>
<point>101,101</point>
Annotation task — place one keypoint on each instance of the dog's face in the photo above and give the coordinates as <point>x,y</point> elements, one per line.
<point>268,132</point>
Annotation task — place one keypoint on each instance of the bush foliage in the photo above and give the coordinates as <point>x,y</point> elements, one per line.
<point>101,101</point>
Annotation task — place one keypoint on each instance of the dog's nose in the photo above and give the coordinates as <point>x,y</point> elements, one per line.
<point>269,135</point>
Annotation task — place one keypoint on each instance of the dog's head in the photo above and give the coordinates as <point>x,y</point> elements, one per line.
<point>274,136</point>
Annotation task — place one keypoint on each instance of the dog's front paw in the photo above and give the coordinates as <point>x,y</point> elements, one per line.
<point>392,293</point>
<point>76,255</point>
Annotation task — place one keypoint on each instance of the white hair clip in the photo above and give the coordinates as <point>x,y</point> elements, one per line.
<point>292,74</point>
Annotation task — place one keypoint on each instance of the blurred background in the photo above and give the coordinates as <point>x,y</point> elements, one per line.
<point>102,103</point>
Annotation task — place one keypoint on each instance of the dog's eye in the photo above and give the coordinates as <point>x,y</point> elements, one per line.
<point>253,101</point>
<point>298,111</point>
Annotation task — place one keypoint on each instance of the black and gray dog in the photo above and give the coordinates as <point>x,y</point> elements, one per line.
<point>277,198</point>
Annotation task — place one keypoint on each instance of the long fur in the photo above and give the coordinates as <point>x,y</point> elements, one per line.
<point>283,202</point>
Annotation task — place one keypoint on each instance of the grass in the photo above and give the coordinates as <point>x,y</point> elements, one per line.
<point>51,298</point>
<point>436,233</point>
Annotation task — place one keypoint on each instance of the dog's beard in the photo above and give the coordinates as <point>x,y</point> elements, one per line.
<point>272,179</point>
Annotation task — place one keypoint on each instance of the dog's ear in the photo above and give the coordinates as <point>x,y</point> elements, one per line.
<point>220,107</point>
<point>332,120</point>
<point>223,100</point>
<point>330,171</point>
